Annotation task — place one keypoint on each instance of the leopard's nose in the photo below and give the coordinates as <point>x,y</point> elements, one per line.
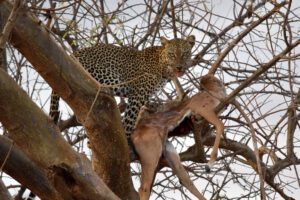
<point>180,67</point>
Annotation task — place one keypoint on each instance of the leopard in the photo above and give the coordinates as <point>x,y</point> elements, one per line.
<point>134,74</point>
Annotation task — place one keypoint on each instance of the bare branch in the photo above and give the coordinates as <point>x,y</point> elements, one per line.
<point>242,35</point>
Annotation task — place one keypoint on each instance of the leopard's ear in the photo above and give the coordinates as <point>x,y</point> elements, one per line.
<point>191,39</point>
<point>164,41</point>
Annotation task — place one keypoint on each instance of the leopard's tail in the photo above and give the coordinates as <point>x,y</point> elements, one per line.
<point>54,107</point>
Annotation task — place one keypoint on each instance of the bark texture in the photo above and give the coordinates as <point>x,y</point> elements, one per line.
<point>66,76</point>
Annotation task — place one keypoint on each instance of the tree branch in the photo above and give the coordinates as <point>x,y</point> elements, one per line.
<point>10,23</point>
<point>232,44</point>
<point>29,175</point>
<point>256,74</point>
<point>66,76</point>
<point>40,140</point>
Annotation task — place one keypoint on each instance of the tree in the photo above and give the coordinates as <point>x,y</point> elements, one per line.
<point>254,50</point>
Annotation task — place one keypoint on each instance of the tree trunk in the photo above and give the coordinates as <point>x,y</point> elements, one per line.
<point>37,136</point>
<point>66,76</point>
<point>11,157</point>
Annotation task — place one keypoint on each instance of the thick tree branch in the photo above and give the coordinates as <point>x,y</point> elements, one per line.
<point>40,140</point>
<point>246,152</point>
<point>29,175</point>
<point>10,23</point>
<point>66,76</point>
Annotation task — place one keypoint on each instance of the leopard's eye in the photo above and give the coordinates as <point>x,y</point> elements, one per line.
<point>186,55</point>
<point>171,55</point>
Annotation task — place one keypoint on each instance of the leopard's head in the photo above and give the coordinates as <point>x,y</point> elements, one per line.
<point>176,54</point>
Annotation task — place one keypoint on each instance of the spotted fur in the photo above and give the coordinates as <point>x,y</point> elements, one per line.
<point>138,74</point>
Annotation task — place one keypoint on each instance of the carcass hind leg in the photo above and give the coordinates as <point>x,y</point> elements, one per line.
<point>149,149</point>
<point>174,162</point>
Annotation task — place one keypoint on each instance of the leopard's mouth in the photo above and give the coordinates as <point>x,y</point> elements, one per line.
<point>179,73</point>
<point>176,71</point>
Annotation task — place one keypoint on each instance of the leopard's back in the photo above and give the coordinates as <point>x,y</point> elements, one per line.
<point>120,67</point>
